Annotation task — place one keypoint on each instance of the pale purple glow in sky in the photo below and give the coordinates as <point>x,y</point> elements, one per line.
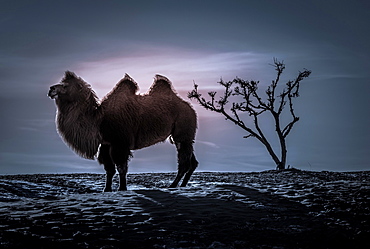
<point>188,41</point>
<point>193,66</point>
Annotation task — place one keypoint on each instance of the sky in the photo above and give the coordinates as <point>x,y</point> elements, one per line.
<point>188,41</point>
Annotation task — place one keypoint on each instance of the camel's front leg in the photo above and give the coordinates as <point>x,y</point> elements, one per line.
<point>120,156</point>
<point>105,159</point>
<point>108,181</point>
<point>122,170</point>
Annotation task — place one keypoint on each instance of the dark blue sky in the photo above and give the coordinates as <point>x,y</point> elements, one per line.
<point>186,41</point>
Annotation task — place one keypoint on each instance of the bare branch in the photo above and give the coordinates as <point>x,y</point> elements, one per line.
<point>289,127</point>
<point>208,105</point>
<point>235,112</point>
<point>241,125</point>
<point>250,135</point>
<point>248,90</point>
<point>227,93</point>
<point>279,67</point>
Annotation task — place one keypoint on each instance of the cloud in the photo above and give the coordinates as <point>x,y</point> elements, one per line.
<point>182,66</point>
<point>210,144</point>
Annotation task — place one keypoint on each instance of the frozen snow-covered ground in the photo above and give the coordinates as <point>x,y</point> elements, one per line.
<point>287,209</point>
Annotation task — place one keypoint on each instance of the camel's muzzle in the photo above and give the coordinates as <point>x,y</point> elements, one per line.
<point>52,92</point>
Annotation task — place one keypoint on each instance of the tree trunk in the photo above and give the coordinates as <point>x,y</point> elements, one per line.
<point>272,153</point>
<point>282,163</point>
<point>283,155</point>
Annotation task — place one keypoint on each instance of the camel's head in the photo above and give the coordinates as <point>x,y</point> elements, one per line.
<point>69,89</point>
<point>57,90</point>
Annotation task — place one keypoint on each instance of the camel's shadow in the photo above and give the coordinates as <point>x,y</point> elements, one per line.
<point>202,221</point>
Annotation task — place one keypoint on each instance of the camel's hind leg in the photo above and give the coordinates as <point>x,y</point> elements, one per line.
<point>105,159</point>
<point>186,163</point>
<point>193,166</point>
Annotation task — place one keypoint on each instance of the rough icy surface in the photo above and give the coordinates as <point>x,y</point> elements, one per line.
<point>285,209</point>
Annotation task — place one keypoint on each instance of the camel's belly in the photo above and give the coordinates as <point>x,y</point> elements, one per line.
<point>148,141</point>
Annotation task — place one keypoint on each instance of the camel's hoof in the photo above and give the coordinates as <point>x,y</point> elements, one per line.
<point>122,189</point>
<point>107,190</point>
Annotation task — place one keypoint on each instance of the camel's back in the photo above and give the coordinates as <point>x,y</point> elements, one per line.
<point>147,119</point>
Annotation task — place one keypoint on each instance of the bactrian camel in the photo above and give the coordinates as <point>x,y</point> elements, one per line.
<point>124,121</point>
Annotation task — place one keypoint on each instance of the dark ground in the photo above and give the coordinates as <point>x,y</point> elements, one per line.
<point>285,209</point>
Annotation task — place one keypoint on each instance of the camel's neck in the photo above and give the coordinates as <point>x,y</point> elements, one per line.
<point>78,124</point>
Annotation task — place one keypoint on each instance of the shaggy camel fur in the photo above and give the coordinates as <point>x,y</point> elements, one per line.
<point>124,121</point>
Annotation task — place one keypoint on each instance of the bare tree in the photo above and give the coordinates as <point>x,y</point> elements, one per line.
<point>254,105</point>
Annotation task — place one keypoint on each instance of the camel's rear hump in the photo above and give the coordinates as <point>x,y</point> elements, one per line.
<point>161,85</point>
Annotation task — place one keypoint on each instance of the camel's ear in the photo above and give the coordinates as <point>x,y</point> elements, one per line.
<point>69,75</point>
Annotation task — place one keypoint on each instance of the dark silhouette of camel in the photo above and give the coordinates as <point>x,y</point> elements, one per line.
<point>124,121</point>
